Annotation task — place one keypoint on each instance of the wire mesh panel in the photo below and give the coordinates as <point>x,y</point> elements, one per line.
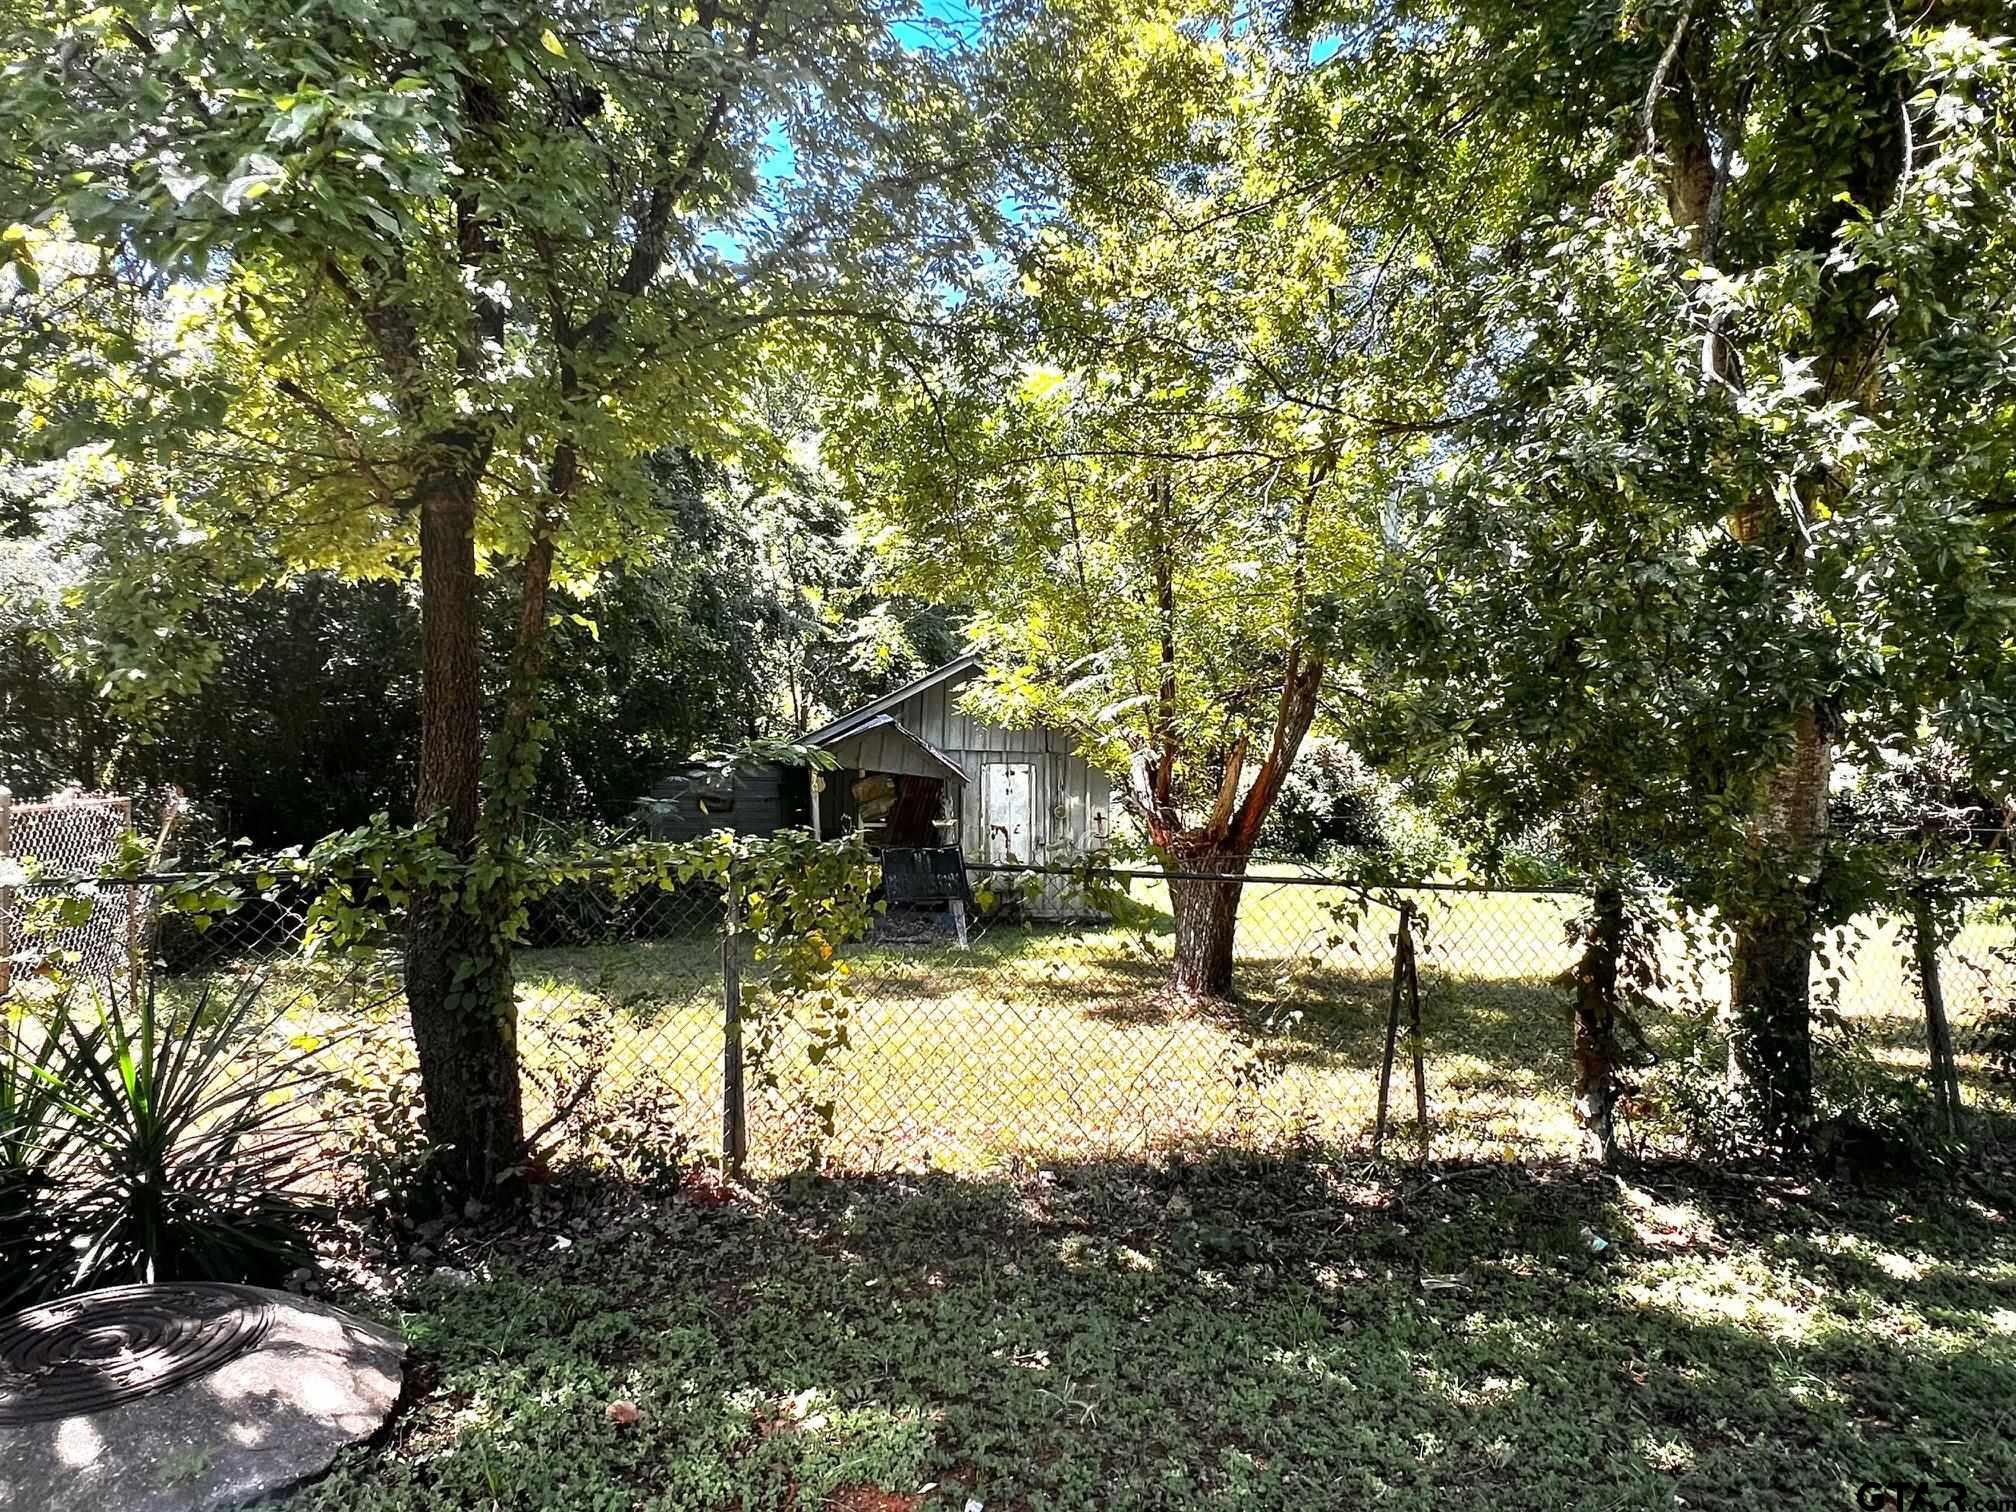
<point>619,1021</point>
<point>1051,1031</point>
<point>71,835</point>
<point>1495,998</point>
<point>1979,981</point>
<point>1054,1030</point>
<point>95,930</point>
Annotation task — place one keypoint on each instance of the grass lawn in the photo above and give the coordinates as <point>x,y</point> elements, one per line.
<point>1234,1331</point>
<point>1044,1042</point>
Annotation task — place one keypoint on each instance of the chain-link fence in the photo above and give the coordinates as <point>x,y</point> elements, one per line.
<point>72,835</point>
<point>1038,1023</point>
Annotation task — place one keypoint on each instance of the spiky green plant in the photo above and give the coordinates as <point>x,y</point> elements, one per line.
<point>191,1151</point>
<point>38,1133</point>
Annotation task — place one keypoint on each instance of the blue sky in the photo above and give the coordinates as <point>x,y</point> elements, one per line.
<point>935,23</point>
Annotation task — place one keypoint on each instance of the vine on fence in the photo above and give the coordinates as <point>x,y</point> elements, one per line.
<point>794,901</point>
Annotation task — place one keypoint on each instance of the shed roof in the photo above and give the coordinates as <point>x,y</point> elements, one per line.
<point>883,743</point>
<point>849,723</point>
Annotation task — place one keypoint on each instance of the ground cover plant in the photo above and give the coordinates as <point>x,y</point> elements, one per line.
<point>1223,1331</point>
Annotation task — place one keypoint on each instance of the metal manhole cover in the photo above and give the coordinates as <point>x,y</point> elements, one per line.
<point>88,1353</point>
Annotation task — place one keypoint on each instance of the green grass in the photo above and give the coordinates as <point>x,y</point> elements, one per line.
<point>1238,1332</point>
<point>1044,1042</point>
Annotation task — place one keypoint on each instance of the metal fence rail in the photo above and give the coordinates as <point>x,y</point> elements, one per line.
<point>649,1030</point>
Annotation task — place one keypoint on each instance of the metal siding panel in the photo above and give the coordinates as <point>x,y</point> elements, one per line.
<point>1072,795</point>
<point>958,727</point>
<point>1039,812</point>
<point>1069,779</point>
<point>970,833</point>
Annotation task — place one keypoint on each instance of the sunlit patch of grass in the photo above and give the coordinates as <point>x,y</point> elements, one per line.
<point>1046,1040</point>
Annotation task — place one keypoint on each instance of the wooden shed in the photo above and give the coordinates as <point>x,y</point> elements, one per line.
<point>914,770</point>
<point>696,801</point>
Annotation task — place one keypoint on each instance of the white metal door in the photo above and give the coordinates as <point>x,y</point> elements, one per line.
<point>1008,810</point>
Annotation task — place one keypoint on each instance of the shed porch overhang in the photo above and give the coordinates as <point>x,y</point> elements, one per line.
<point>884,744</point>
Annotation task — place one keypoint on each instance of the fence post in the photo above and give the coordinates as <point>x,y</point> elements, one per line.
<point>1414,1027</point>
<point>734,1111</point>
<point>135,956</point>
<point>1402,940</point>
<point>1938,1031</point>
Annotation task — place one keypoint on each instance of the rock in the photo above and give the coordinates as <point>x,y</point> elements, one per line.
<point>184,1398</point>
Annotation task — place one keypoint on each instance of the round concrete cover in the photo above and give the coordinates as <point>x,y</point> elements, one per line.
<point>181,1397</point>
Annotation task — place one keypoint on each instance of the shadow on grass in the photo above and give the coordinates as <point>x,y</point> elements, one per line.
<point>1217,1332</point>
<point>1334,1016</point>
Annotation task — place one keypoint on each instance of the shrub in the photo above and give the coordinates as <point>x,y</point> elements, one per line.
<point>1327,802</point>
<point>376,1128</point>
<point>158,1145</point>
<point>1867,1115</point>
<point>36,1134</point>
<point>1332,810</point>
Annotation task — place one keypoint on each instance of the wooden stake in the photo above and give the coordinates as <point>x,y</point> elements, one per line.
<point>1414,1027</point>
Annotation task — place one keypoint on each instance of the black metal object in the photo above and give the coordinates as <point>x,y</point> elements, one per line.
<point>925,874</point>
<point>90,1352</point>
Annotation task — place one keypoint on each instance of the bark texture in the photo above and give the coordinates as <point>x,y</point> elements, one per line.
<point>1597,1057</point>
<point>1771,963</point>
<point>458,983</point>
<point>1207,923</point>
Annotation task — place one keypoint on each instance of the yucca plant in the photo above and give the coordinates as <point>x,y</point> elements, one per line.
<point>38,1133</point>
<point>190,1152</point>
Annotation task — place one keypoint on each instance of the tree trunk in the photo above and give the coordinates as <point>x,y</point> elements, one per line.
<point>1770,970</point>
<point>1207,923</point>
<point>458,977</point>
<point>1770,1040</point>
<point>1925,941</point>
<point>1596,1054</point>
<point>520,741</point>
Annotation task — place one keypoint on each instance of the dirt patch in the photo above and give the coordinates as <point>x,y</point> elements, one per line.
<point>870,1499</point>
